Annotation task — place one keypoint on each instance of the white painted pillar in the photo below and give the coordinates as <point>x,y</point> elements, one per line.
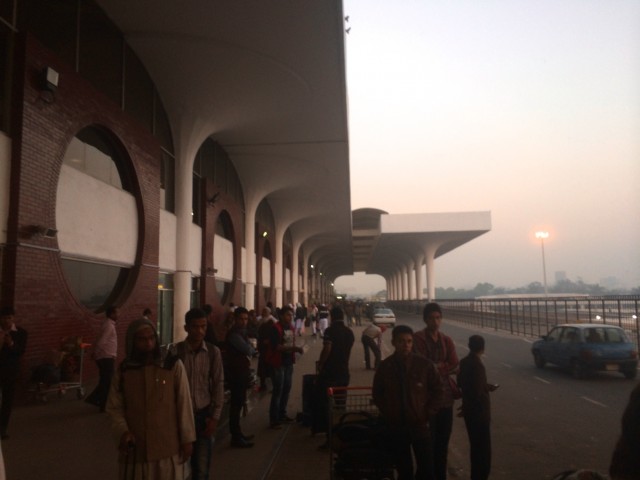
<point>398,288</point>
<point>418,273</point>
<point>295,288</point>
<point>279,265</point>
<point>184,219</point>
<point>410,278</point>
<point>250,248</point>
<point>403,281</point>
<point>429,256</point>
<point>306,281</point>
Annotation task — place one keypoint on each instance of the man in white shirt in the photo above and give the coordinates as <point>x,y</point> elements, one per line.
<point>105,352</point>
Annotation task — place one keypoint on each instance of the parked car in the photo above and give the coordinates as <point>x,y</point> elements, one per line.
<point>584,348</point>
<point>384,316</point>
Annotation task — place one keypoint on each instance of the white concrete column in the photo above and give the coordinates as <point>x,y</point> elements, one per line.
<point>184,219</point>
<point>390,292</point>
<point>250,247</point>
<point>403,281</point>
<point>418,273</point>
<point>429,256</point>
<point>279,265</point>
<point>410,278</point>
<point>305,278</point>
<point>295,288</point>
<point>398,289</point>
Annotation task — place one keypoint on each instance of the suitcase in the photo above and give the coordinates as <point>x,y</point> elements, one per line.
<point>308,388</point>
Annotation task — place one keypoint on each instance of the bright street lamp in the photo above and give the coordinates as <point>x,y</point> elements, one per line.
<point>542,236</point>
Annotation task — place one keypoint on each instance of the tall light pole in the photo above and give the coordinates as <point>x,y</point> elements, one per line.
<point>542,236</point>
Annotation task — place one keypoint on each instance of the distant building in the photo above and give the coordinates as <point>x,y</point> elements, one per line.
<point>561,276</point>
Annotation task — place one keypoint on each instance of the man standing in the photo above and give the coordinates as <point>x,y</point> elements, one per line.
<point>13,342</point>
<point>476,408</point>
<point>105,352</point>
<point>238,353</point>
<point>407,389</point>
<point>440,349</point>
<point>333,366</point>
<point>281,352</point>
<point>203,364</point>
<point>150,409</point>
<point>323,319</point>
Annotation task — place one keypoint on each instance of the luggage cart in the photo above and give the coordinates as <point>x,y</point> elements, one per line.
<point>355,436</point>
<point>71,362</point>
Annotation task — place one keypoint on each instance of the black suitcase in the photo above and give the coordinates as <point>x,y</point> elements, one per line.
<point>308,387</point>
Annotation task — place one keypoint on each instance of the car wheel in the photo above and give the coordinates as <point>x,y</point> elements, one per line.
<point>577,369</point>
<point>631,373</point>
<point>539,359</point>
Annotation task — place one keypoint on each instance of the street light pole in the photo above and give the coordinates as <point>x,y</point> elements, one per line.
<point>542,236</point>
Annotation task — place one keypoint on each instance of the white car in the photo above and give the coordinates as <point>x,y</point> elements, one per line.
<point>384,316</point>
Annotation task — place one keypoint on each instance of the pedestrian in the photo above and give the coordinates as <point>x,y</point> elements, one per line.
<point>476,408</point>
<point>280,357</point>
<point>625,461</point>
<point>104,354</point>
<point>203,363</point>
<point>237,355</point>
<point>266,321</point>
<point>300,315</point>
<point>13,342</point>
<point>333,367</point>
<point>150,409</point>
<point>407,389</point>
<point>323,319</point>
<point>440,349</point>
<point>371,340</point>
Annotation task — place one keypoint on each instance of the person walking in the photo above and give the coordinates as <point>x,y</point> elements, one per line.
<point>203,363</point>
<point>104,353</point>
<point>440,349</point>
<point>476,408</point>
<point>407,389</point>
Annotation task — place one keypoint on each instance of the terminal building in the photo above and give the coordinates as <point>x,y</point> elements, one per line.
<point>166,155</point>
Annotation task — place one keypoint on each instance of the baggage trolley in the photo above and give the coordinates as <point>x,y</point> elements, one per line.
<point>355,436</point>
<point>71,363</point>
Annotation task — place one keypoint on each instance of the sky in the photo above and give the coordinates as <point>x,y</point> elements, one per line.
<point>528,109</point>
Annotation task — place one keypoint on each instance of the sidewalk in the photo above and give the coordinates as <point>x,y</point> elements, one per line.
<point>68,439</point>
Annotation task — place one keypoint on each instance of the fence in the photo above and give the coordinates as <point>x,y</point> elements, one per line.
<point>535,316</point>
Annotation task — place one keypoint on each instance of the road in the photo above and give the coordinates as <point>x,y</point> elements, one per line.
<point>543,420</point>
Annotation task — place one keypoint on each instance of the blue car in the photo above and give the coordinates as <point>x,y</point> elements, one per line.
<point>584,348</point>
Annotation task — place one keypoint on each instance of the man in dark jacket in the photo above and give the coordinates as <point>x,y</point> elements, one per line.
<point>407,389</point>
<point>476,408</point>
<point>13,342</point>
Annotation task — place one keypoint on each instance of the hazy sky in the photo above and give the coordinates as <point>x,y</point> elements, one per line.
<point>529,109</point>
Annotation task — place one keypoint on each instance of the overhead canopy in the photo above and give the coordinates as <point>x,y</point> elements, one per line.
<point>266,80</point>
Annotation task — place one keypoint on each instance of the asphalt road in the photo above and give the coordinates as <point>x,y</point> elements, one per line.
<point>543,420</point>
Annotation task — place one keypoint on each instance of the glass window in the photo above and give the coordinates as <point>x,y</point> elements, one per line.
<point>100,51</point>
<point>92,153</point>
<point>165,308</point>
<point>138,90</point>
<point>167,182</point>
<point>94,285</point>
<point>53,23</point>
<point>554,335</point>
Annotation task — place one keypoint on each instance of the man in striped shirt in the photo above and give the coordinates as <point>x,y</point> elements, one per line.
<point>203,363</point>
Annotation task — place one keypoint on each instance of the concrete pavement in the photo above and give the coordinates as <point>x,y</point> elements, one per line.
<point>68,439</point>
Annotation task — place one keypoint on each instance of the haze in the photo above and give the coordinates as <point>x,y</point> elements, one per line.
<point>528,109</point>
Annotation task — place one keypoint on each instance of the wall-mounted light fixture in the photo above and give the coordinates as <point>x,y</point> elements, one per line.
<point>264,234</point>
<point>39,230</point>
<point>49,79</point>
<point>211,271</point>
<point>212,201</point>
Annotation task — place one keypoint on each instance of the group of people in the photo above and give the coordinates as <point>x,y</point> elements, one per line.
<point>414,389</point>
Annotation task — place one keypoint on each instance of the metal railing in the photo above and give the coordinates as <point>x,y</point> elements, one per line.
<point>535,316</point>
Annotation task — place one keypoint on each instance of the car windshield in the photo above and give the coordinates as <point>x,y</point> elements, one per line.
<point>383,311</point>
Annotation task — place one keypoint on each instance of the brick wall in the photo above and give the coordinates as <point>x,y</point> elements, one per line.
<point>44,124</point>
